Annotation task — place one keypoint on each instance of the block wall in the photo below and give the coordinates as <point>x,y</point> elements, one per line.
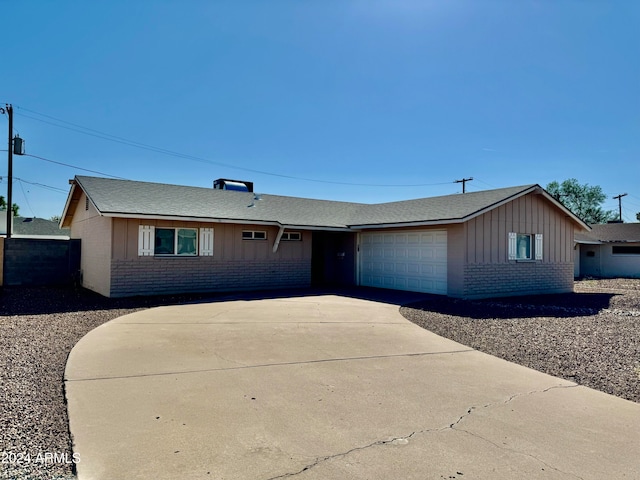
<point>38,262</point>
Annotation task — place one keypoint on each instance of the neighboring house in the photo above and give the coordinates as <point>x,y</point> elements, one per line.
<point>39,228</point>
<point>609,250</point>
<point>39,252</point>
<point>142,238</point>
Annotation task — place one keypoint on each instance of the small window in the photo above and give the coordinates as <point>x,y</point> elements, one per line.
<point>292,236</point>
<point>626,250</point>
<point>254,235</point>
<point>525,246</point>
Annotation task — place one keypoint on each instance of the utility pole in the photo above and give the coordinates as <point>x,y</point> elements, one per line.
<point>9,111</point>
<point>619,198</point>
<point>464,183</point>
<point>16,145</point>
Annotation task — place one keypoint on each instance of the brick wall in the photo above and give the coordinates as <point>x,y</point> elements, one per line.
<point>517,278</point>
<point>157,275</point>
<point>36,262</point>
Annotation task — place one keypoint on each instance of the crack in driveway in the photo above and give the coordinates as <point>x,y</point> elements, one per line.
<point>403,440</point>
<point>267,365</point>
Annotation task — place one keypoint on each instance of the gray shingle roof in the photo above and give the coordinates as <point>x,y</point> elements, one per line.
<point>113,197</point>
<point>144,199</point>
<point>611,233</point>
<point>436,209</point>
<point>38,227</point>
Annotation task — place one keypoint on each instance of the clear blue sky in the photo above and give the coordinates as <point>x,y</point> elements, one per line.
<point>359,92</point>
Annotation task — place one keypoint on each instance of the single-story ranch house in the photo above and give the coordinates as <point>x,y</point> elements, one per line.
<point>609,250</point>
<point>141,238</point>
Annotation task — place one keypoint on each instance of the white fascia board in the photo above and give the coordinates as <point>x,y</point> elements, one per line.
<point>42,237</point>
<point>407,224</point>
<point>318,228</point>
<point>140,216</point>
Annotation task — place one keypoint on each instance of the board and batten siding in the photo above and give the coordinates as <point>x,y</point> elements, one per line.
<point>487,269</point>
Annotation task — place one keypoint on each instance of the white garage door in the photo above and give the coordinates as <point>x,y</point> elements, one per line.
<point>414,261</point>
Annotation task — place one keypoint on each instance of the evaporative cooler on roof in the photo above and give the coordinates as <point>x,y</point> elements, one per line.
<point>238,185</point>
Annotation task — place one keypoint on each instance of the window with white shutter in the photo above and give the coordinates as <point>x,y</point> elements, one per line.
<point>146,236</point>
<point>512,245</point>
<point>539,246</point>
<point>206,242</point>
<point>525,246</point>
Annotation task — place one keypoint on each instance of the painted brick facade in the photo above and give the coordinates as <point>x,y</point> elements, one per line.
<point>517,278</point>
<point>156,275</point>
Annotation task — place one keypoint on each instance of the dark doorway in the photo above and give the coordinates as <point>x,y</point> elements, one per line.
<point>333,259</point>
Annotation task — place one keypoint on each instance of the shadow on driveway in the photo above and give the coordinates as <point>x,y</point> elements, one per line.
<point>48,300</point>
<point>562,305</point>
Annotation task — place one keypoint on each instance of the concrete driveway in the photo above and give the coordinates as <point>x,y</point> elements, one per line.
<point>326,387</point>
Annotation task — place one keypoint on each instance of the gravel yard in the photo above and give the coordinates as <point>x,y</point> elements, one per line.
<point>39,328</point>
<point>591,337</point>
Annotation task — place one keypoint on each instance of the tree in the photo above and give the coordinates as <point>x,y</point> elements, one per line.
<point>3,206</point>
<point>638,216</point>
<point>583,200</point>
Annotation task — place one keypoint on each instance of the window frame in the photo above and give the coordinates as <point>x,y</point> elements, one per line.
<point>262,235</point>
<point>625,247</point>
<point>204,242</point>
<point>176,238</point>
<point>535,250</point>
<point>522,236</point>
<point>287,236</point>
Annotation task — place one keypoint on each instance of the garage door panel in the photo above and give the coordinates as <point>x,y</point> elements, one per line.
<point>415,261</point>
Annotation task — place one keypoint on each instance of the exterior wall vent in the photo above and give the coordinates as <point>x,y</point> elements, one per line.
<point>237,185</point>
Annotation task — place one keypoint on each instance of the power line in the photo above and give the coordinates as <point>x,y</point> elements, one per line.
<point>114,138</point>
<point>25,196</point>
<point>48,187</point>
<point>73,166</point>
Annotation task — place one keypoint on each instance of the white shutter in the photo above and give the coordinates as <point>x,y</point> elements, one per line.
<point>146,236</point>
<point>538,246</point>
<point>512,245</point>
<point>206,242</point>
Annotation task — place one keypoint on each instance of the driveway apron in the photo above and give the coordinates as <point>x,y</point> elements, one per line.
<point>326,387</point>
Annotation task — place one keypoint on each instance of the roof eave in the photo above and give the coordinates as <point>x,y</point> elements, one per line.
<point>62,223</point>
<point>237,221</point>
<point>406,224</point>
